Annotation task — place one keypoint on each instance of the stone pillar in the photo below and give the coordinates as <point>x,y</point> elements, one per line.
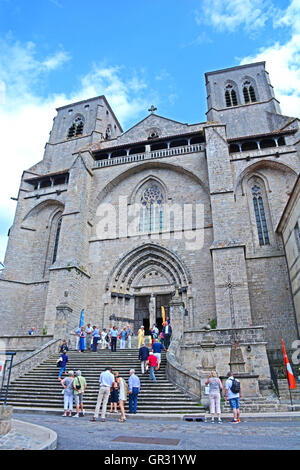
<point>70,270</point>
<point>62,322</point>
<point>228,249</point>
<point>152,310</point>
<point>207,363</point>
<point>6,413</point>
<point>176,316</point>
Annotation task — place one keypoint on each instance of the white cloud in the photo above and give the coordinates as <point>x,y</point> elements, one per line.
<point>26,116</point>
<point>283,61</point>
<point>282,57</point>
<point>228,15</point>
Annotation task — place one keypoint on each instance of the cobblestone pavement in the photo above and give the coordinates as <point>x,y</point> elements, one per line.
<point>81,433</point>
<point>17,441</point>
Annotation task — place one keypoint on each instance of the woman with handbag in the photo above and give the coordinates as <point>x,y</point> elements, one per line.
<point>123,392</point>
<point>68,393</point>
<point>215,388</point>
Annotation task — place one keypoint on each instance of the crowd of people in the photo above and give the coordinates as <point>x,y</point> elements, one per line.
<point>92,337</point>
<point>114,390</point>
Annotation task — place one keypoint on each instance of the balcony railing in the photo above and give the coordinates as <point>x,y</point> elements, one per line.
<point>149,155</point>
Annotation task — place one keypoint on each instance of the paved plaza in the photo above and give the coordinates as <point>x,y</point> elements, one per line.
<point>166,434</point>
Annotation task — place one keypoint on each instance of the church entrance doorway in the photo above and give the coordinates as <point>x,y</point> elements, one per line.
<point>141,313</point>
<point>162,301</point>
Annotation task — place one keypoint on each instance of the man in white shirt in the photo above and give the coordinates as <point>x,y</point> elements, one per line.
<point>89,338</point>
<point>106,380</point>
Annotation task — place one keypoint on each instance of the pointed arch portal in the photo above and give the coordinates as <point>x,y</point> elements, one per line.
<point>146,276</point>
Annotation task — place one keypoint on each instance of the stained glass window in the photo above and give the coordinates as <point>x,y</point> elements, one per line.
<point>151,214</point>
<point>56,240</point>
<point>260,216</point>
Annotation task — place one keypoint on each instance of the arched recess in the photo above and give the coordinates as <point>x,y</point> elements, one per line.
<point>258,167</point>
<point>41,226</point>
<point>48,207</point>
<point>261,191</point>
<point>133,170</point>
<point>249,90</point>
<point>147,258</point>
<point>259,210</point>
<point>231,94</point>
<point>147,179</point>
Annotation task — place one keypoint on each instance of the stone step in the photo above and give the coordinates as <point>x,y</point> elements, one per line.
<point>40,388</point>
<point>53,390</point>
<point>90,404</point>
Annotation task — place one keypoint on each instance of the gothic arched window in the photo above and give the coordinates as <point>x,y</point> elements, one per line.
<point>249,92</point>
<point>76,128</point>
<point>56,240</point>
<point>151,212</point>
<point>260,216</point>
<point>230,96</point>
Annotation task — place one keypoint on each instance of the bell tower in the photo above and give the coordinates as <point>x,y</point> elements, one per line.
<point>242,98</point>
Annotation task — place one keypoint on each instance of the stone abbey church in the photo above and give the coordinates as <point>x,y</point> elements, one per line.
<point>166,214</point>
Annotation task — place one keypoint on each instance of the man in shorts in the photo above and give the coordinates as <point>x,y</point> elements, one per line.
<point>233,398</point>
<point>79,385</point>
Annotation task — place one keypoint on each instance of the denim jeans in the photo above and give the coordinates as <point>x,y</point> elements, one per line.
<point>133,397</point>
<point>151,374</point>
<point>62,369</point>
<point>114,343</point>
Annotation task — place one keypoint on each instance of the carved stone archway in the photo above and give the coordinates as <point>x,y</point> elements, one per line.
<point>141,276</point>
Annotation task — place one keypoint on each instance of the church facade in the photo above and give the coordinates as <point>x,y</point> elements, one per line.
<point>116,222</point>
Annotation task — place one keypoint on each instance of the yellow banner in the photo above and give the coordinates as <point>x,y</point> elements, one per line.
<point>163,313</point>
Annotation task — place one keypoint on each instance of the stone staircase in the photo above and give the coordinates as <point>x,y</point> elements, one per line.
<point>256,405</point>
<point>285,393</point>
<point>40,389</point>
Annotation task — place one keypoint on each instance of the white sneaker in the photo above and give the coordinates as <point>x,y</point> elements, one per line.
<point>76,416</point>
<point>83,413</point>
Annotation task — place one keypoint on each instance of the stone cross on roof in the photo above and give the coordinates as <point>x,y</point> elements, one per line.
<point>152,109</point>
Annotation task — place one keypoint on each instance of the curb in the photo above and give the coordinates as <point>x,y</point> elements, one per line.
<point>278,416</point>
<point>39,437</point>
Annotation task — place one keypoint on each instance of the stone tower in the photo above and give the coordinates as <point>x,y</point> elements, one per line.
<point>243,99</point>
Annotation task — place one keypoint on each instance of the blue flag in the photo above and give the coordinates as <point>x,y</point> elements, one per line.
<point>81,323</point>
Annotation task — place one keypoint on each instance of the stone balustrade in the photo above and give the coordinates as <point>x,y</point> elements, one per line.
<point>150,155</point>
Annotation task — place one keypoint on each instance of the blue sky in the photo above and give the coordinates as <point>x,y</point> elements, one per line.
<point>136,53</point>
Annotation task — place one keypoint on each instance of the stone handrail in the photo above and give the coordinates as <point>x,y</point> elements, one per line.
<point>23,343</point>
<point>149,155</point>
<point>180,375</point>
<point>34,359</point>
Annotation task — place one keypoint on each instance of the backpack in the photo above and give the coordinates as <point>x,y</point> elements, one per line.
<point>235,386</point>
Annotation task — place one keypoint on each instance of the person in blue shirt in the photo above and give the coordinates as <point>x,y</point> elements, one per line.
<point>123,338</point>
<point>96,338</point>
<point>134,386</point>
<point>64,360</point>
<point>113,336</point>
<point>157,348</point>
<point>143,356</point>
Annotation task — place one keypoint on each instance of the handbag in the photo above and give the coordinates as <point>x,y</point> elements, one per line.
<point>206,390</point>
<point>78,387</point>
<point>59,362</point>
